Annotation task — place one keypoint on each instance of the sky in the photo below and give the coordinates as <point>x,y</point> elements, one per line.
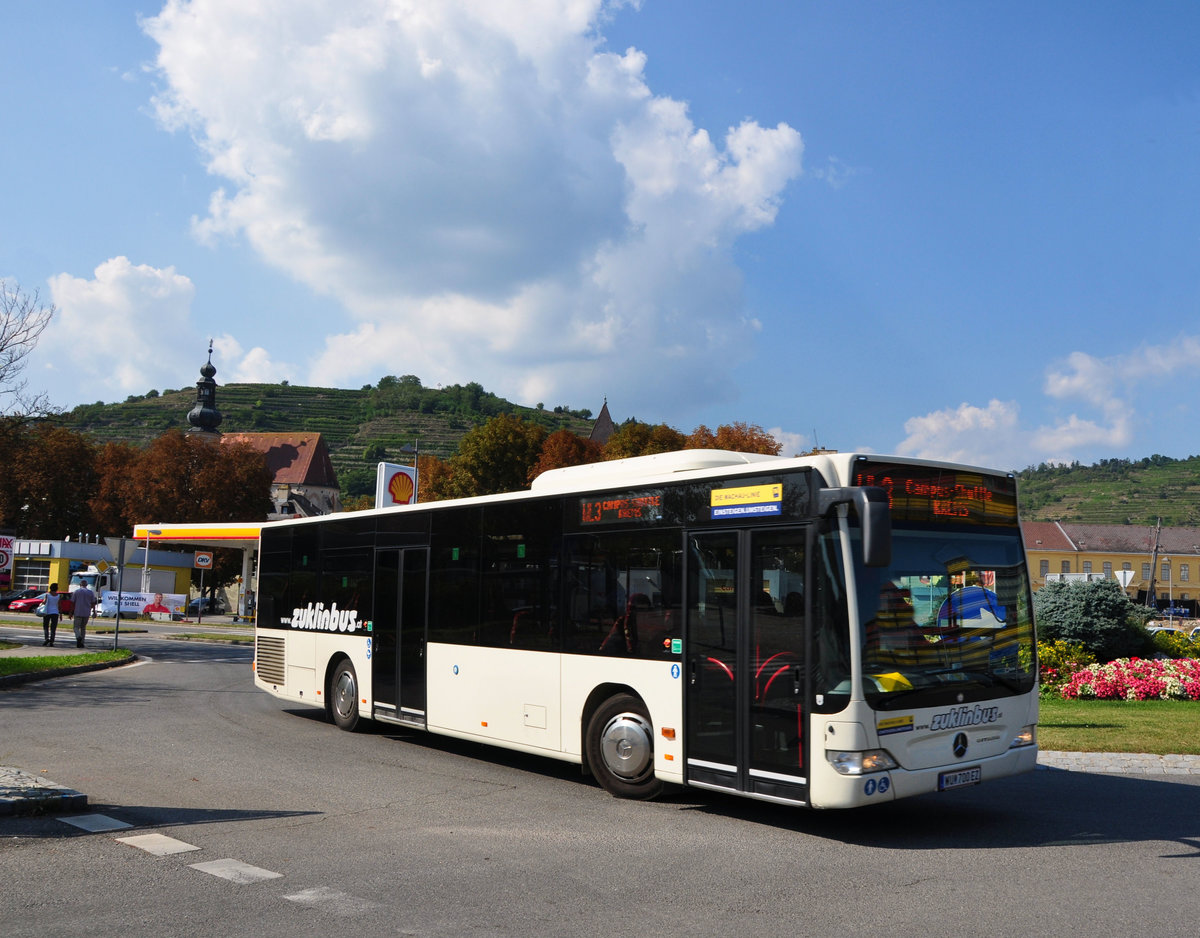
<point>964,231</point>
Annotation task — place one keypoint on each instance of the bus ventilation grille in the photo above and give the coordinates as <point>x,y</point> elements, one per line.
<point>269,657</point>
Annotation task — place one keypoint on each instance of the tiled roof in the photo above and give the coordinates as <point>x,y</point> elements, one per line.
<point>1109,538</point>
<point>293,458</point>
<point>1045,535</point>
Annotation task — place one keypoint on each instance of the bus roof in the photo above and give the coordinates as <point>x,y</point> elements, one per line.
<point>617,472</point>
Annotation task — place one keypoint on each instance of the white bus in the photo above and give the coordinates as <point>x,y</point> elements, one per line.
<point>832,630</point>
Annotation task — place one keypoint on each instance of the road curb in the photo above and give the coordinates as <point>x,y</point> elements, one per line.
<point>23,793</point>
<point>26,677</point>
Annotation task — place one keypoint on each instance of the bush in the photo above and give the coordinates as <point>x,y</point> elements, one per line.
<point>1174,645</point>
<point>1097,615</point>
<point>1058,661</point>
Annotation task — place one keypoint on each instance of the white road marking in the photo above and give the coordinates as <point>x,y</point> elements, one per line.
<point>236,871</point>
<point>95,823</point>
<point>331,900</point>
<point>158,844</point>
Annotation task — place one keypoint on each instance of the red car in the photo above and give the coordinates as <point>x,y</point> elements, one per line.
<point>25,605</point>
<point>33,602</point>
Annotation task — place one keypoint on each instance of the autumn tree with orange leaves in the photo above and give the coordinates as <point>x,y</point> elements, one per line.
<point>564,448</point>
<point>738,437</point>
<point>641,439</point>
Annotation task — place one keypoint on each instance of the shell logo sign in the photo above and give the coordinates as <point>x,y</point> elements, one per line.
<point>401,488</point>
<point>395,485</point>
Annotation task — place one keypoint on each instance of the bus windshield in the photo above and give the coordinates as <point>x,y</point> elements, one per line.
<point>949,620</point>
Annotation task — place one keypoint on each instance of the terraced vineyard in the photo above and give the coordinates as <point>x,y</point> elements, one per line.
<point>351,422</point>
<point>1114,491</point>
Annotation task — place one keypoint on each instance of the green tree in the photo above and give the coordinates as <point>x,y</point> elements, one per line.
<point>496,457</point>
<point>1096,614</point>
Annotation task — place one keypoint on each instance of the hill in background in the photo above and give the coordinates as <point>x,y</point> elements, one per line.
<point>361,428</point>
<point>372,424</point>
<point>1114,491</point>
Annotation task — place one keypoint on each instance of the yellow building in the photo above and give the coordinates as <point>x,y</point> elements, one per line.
<point>1060,549</point>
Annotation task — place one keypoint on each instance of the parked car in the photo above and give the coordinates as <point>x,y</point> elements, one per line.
<point>206,606</point>
<point>28,604</point>
<point>13,595</point>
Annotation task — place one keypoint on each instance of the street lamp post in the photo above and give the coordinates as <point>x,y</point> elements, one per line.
<point>415,451</point>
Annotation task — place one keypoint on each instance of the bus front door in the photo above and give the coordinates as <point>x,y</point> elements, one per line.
<point>745,661</point>
<point>398,634</point>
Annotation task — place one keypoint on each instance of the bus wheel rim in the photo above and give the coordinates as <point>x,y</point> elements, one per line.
<point>626,746</point>
<point>344,693</point>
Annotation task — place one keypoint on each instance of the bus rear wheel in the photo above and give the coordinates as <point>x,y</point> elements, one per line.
<point>343,696</point>
<point>620,748</point>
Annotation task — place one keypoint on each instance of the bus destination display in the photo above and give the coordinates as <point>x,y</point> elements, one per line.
<point>617,509</point>
<point>926,493</point>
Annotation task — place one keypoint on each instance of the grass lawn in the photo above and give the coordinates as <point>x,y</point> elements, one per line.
<point>1154,726</point>
<point>49,662</point>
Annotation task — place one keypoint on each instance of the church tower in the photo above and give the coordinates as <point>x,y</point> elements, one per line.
<point>204,417</point>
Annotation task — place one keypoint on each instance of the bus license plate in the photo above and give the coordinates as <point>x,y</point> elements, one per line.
<point>960,778</point>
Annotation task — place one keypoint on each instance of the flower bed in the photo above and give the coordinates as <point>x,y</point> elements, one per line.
<point>1136,679</point>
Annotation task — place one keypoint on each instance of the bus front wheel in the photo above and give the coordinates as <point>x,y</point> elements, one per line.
<point>620,748</point>
<point>343,696</point>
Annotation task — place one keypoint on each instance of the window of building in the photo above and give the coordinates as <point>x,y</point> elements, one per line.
<point>1184,575</point>
<point>1107,569</point>
<point>1044,568</point>
<point>1166,572</point>
<point>1066,566</point>
<point>1145,571</point>
<point>1087,566</point>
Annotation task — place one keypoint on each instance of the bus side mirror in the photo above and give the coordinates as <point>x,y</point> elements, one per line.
<point>871,504</point>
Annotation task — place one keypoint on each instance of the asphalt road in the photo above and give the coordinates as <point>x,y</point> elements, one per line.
<point>285,826</point>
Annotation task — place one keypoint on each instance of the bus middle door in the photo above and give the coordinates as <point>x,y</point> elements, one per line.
<point>398,634</point>
<point>745,660</point>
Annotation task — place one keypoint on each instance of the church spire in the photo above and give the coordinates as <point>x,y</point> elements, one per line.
<point>204,417</point>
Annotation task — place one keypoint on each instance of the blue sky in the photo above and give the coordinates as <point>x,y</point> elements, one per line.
<point>958,230</point>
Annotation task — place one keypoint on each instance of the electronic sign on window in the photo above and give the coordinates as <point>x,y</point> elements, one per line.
<point>929,493</point>
<point>620,509</point>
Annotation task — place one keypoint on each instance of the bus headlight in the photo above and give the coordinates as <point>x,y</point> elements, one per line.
<point>1026,737</point>
<point>860,763</point>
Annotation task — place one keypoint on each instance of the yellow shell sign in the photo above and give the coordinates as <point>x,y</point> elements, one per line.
<point>400,487</point>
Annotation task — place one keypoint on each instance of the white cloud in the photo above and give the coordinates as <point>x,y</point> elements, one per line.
<point>485,189</point>
<point>792,444</point>
<point>980,435</point>
<point>1114,388</point>
<point>127,330</point>
<point>253,367</point>
<point>122,332</point>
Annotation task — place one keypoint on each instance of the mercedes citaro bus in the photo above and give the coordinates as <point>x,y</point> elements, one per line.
<point>830,630</point>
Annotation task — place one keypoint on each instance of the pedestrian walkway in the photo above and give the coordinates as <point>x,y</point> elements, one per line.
<point>1120,763</point>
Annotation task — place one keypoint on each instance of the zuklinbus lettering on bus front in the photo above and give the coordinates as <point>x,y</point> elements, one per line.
<point>964,716</point>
